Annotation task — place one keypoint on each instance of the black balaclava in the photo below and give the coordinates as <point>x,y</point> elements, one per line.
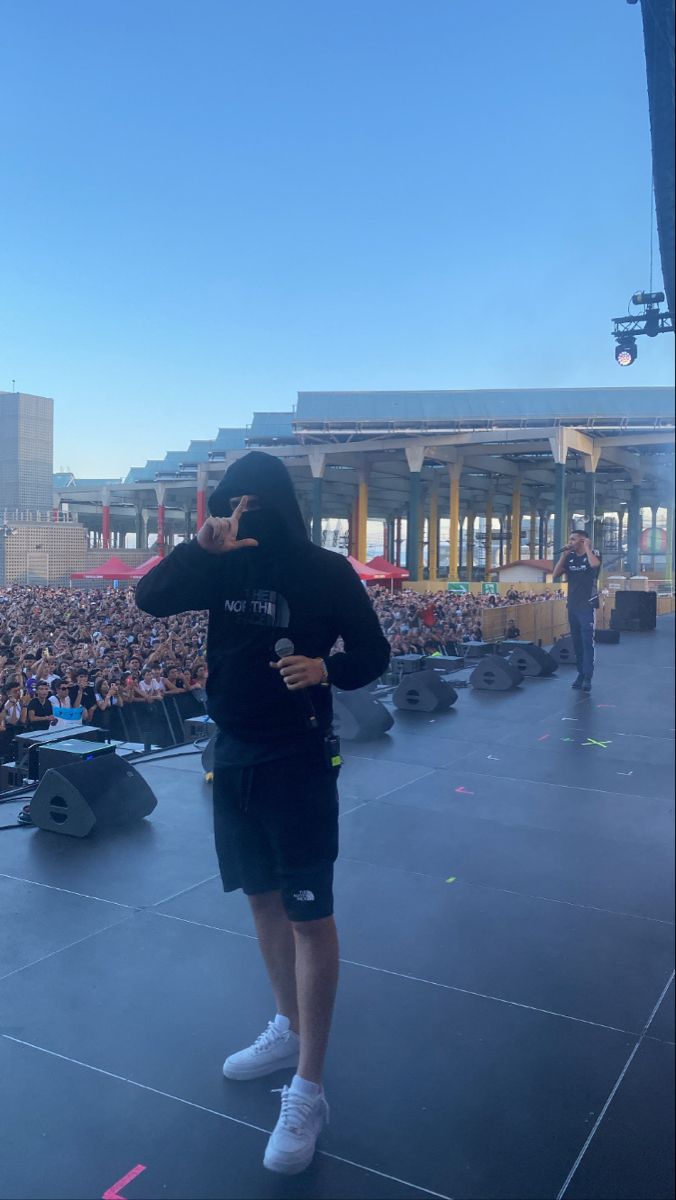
<point>279,519</point>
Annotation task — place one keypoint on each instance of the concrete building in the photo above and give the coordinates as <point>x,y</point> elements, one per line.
<point>41,550</point>
<point>26,452</point>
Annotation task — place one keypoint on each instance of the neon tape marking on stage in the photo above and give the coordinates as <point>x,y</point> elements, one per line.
<point>452,879</point>
<point>113,1192</point>
<point>593,742</point>
<point>544,737</point>
<point>463,791</point>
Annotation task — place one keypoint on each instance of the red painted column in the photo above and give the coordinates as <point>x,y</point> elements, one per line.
<point>160,547</point>
<point>105,527</point>
<point>201,508</point>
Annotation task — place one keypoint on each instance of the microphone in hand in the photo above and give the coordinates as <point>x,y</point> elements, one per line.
<point>284,648</point>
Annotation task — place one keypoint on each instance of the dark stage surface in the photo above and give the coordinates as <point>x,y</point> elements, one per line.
<point>505,1019</point>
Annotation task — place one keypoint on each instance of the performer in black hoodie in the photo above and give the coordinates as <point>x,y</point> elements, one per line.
<point>276,764</point>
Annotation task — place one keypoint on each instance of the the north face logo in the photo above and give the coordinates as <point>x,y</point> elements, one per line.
<point>303,895</point>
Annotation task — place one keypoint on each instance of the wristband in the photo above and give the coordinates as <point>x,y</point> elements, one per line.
<point>325,681</point>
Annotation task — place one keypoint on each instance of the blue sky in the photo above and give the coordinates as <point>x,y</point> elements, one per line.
<point>210,205</point>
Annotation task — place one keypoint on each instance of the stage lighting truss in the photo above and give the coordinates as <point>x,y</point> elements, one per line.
<point>647,323</point>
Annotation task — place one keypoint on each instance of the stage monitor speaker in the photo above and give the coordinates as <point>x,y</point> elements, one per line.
<point>608,637</point>
<point>444,663</point>
<point>508,645</point>
<point>563,652</point>
<point>424,692</point>
<point>637,606</point>
<point>533,662</point>
<point>495,674</point>
<point>478,649</point>
<point>358,716</point>
<point>209,755</point>
<point>69,752</point>
<point>405,663</point>
<point>102,793</point>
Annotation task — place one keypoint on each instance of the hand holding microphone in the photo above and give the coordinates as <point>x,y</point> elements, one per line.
<point>296,670</point>
<point>299,672</point>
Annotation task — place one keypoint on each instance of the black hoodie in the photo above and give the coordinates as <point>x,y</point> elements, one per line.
<point>286,587</point>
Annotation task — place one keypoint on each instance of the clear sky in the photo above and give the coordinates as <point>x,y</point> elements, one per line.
<point>209,205</point>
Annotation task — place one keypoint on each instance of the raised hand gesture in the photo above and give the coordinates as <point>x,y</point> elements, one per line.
<point>218,535</point>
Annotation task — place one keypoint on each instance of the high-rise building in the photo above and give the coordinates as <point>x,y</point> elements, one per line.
<point>26,452</point>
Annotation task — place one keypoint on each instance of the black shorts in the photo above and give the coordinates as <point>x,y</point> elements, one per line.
<point>276,829</point>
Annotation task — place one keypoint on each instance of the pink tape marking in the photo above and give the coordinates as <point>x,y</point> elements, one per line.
<point>113,1192</point>
<point>463,791</point>
<point>544,737</point>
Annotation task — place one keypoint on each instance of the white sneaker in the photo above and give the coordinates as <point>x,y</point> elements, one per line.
<point>273,1050</point>
<point>292,1142</point>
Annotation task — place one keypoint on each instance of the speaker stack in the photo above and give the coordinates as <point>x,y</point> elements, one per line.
<point>424,691</point>
<point>532,661</point>
<point>495,674</point>
<point>634,612</point>
<point>358,716</point>
<point>102,793</point>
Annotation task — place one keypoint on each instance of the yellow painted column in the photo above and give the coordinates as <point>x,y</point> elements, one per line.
<point>471,521</point>
<point>533,535</point>
<point>433,544</point>
<point>354,528</point>
<point>454,530</point>
<point>362,518</point>
<point>489,537</point>
<point>515,540</point>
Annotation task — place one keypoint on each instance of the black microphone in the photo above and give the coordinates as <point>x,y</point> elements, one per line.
<point>284,648</point>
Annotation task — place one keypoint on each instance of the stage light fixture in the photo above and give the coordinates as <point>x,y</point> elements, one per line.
<point>626,352</point>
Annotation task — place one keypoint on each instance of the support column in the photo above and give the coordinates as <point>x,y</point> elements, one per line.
<point>515,539</point>
<point>501,541</point>
<point>317,462</point>
<point>559,448</point>
<point>471,520</point>
<point>590,503</point>
<point>433,545</point>
<point>634,532</point>
<point>363,514</point>
<point>187,522</point>
<point>489,537</point>
<point>533,535</point>
<point>160,492</point>
<point>201,496</point>
<point>559,507</point>
<point>669,564</point>
<point>413,526</point>
<point>542,533</point>
<point>145,521</point>
<point>415,457</point>
<point>454,473</point>
<point>105,518</point>
<point>397,541</point>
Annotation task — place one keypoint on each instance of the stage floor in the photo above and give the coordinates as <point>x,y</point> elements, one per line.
<point>505,1020</point>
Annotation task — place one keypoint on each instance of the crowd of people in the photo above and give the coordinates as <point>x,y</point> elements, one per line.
<point>73,657</point>
<point>442,622</point>
<point>91,657</point>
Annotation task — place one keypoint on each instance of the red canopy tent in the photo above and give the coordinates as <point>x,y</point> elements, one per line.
<point>139,572</point>
<point>366,573</point>
<point>391,569</point>
<point>392,572</point>
<point>113,568</point>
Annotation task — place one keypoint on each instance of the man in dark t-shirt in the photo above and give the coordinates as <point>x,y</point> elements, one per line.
<point>40,712</point>
<point>581,565</point>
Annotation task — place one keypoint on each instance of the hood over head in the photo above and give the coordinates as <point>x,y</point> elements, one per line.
<point>264,476</point>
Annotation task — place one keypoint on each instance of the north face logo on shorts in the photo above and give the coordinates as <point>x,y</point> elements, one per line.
<point>303,895</point>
